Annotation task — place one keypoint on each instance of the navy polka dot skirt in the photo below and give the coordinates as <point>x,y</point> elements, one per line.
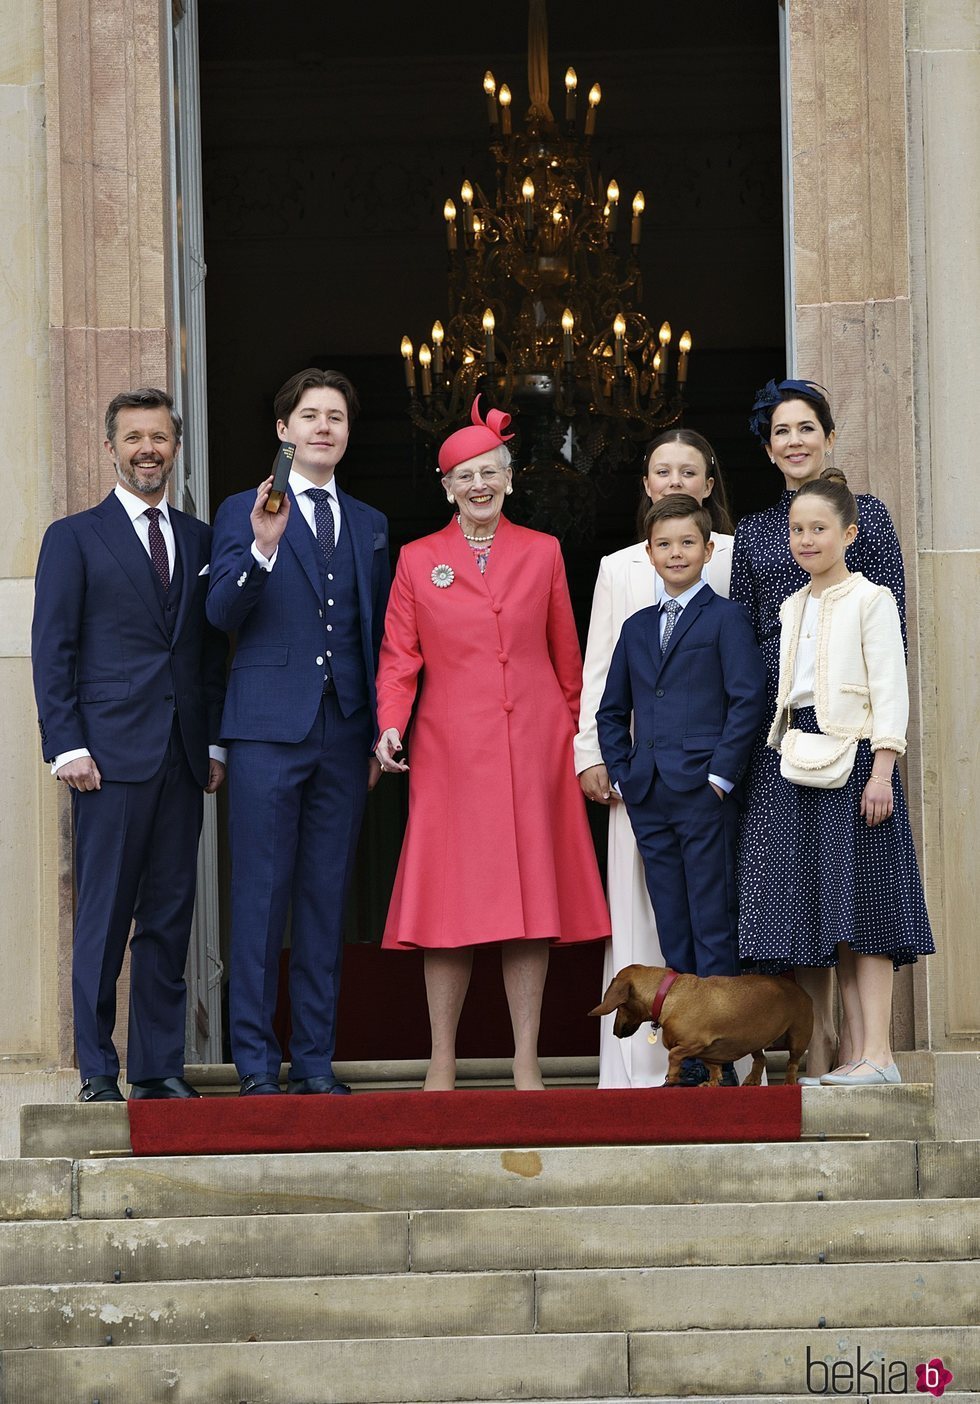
<point>813,875</point>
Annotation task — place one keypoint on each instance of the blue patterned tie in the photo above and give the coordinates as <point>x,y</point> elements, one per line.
<point>673,612</point>
<point>158,547</point>
<point>323,520</point>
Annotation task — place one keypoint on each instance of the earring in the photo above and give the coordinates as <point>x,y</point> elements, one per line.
<point>508,489</point>
<point>450,498</point>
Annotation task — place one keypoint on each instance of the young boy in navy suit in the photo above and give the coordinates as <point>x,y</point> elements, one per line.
<point>690,675</point>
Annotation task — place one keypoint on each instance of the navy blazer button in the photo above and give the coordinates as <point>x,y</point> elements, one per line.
<point>649,745</point>
<point>659,692</point>
<point>169,697</point>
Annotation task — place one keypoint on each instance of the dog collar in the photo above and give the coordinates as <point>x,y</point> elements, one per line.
<point>663,989</point>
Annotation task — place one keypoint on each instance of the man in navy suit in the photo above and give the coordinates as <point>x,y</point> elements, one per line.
<point>129,680</point>
<point>305,590</point>
<point>691,676</point>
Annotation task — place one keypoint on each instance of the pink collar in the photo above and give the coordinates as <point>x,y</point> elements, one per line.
<point>663,989</point>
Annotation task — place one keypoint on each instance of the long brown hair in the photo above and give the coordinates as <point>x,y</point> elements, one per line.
<point>716,505</point>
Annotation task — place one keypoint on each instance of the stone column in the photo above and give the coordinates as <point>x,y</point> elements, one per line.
<point>28,812</point>
<point>944,193</point>
<point>107,130</point>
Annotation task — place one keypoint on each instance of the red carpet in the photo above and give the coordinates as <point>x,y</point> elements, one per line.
<point>432,1120</point>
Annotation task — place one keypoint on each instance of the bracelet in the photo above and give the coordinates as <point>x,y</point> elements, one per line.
<point>878,780</point>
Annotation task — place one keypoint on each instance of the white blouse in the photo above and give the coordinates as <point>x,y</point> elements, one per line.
<point>801,693</point>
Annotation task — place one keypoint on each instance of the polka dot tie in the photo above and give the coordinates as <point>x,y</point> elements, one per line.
<point>673,612</point>
<point>158,547</point>
<point>322,520</point>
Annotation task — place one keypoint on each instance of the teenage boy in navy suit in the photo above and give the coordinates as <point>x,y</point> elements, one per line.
<point>129,681</point>
<point>305,590</point>
<point>690,675</point>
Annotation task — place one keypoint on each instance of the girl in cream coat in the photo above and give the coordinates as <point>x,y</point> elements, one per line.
<point>678,461</point>
<point>837,883</point>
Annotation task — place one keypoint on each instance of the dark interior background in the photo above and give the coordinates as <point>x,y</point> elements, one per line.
<point>332,136</point>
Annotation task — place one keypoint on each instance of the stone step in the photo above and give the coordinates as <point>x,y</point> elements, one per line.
<point>35,1189</point>
<point>839,1297</point>
<point>480,1240</point>
<point>905,1112</point>
<point>662,1364</point>
<point>185,1186</point>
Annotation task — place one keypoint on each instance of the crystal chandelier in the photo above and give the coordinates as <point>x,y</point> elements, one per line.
<point>544,313</point>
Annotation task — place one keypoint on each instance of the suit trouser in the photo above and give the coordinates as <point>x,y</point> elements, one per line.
<point>687,842</point>
<point>135,859</point>
<point>294,819</point>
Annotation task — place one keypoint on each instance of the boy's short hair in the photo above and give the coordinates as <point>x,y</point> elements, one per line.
<point>677,505</point>
<point>289,395</point>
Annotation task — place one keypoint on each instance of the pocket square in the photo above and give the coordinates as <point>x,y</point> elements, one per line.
<point>380,540</point>
<point>205,570</point>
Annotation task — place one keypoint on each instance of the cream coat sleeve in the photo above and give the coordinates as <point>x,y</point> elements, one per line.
<point>884,653</point>
<point>603,634</point>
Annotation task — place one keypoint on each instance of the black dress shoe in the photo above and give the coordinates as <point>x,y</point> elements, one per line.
<point>729,1077</point>
<point>318,1085</point>
<point>101,1088</point>
<point>260,1085</point>
<point>158,1089</point>
<point>693,1073</point>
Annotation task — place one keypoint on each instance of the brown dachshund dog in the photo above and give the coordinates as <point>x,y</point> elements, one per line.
<point>717,1019</point>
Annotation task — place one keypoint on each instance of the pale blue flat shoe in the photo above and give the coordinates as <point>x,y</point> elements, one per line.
<point>818,1081</point>
<point>875,1078</point>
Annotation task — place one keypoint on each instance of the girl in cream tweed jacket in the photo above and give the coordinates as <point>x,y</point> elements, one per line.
<point>837,882</point>
<point>860,687</point>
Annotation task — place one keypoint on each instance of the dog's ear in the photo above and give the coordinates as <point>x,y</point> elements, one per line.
<point>617,994</point>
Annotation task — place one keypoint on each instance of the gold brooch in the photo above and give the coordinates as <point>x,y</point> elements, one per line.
<point>443,576</point>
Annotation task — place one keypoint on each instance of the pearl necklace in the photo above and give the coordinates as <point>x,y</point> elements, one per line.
<point>483,540</point>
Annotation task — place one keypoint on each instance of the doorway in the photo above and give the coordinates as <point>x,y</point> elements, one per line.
<point>329,143</point>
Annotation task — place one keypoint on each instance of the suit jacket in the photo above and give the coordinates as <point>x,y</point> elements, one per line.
<point>107,674</point>
<point>626,582</point>
<point>696,709</point>
<point>276,686</point>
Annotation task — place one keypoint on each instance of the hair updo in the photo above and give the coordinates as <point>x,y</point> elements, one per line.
<point>771,395</point>
<point>832,486</point>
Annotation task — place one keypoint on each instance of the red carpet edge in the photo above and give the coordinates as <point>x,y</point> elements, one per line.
<point>436,1120</point>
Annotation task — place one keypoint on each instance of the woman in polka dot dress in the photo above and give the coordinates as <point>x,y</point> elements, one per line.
<point>794,423</point>
<point>842,883</point>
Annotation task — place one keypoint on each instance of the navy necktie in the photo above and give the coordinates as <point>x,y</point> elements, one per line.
<point>323,520</point>
<point>673,612</point>
<point>158,548</point>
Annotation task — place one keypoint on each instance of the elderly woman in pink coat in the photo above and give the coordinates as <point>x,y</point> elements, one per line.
<point>498,848</point>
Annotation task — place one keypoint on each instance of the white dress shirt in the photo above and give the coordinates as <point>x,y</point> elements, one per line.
<point>801,693</point>
<point>301,487</point>
<point>136,511</point>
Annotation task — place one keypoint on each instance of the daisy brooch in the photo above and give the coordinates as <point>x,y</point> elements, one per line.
<point>443,576</point>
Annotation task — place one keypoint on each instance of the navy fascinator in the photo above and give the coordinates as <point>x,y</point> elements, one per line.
<point>772,394</point>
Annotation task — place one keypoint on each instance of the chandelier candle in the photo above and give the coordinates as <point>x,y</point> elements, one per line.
<point>490,88</point>
<point>504,96</point>
<point>409,363</point>
<point>437,336</point>
<point>571,93</point>
<point>639,205</point>
<point>466,195</point>
<point>425,361</point>
<point>449,215</point>
<point>683,346</point>
<point>595,97</point>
